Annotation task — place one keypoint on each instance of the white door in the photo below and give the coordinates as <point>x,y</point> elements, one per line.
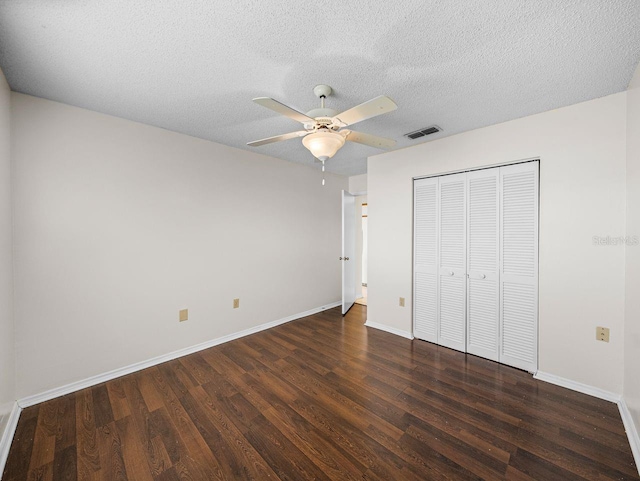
<point>453,264</point>
<point>425,255</point>
<point>483,268</point>
<point>348,251</point>
<point>519,266</point>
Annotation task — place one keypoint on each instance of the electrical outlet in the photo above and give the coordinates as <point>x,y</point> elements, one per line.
<point>401,302</point>
<point>183,315</point>
<point>602,334</point>
<point>236,303</point>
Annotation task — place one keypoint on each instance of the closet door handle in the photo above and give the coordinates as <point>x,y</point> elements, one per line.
<point>451,273</point>
<point>483,276</point>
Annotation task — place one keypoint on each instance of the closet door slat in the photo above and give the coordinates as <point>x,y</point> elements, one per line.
<point>519,266</point>
<point>453,261</point>
<point>483,240</point>
<point>425,280</point>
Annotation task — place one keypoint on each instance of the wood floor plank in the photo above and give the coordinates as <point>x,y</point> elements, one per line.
<point>101,405</point>
<point>196,447</point>
<point>288,461</point>
<point>185,466</point>
<point>155,453</point>
<point>110,448</point>
<point>177,377</point>
<point>378,461</point>
<point>118,399</point>
<point>66,423</point>
<point>42,473</point>
<point>133,453</point>
<point>65,464</point>
<point>231,465</point>
<point>322,452</point>
<point>44,442</point>
<point>88,455</point>
<point>323,398</point>
<point>253,466</point>
<point>473,459</point>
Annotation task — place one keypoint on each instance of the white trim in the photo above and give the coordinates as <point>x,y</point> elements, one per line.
<point>577,386</point>
<point>484,167</point>
<point>392,330</point>
<point>107,376</point>
<point>632,432</point>
<point>7,435</point>
<point>625,414</point>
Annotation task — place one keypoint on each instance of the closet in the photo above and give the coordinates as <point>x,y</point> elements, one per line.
<point>475,276</point>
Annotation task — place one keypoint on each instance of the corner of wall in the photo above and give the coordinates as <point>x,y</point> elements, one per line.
<point>9,411</point>
<point>358,184</point>
<point>630,403</point>
<point>6,435</point>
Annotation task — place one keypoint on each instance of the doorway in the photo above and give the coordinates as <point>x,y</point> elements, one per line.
<point>354,249</point>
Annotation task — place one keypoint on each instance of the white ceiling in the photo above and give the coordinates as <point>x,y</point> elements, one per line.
<point>194,66</point>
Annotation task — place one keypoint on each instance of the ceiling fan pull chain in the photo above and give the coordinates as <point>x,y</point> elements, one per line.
<point>322,172</point>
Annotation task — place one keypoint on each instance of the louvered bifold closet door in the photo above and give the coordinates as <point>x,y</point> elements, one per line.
<point>453,263</point>
<point>519,266</point>
<point>483,300</point>
<point>425,255</point>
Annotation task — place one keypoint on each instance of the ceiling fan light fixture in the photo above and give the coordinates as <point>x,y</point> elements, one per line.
<point>323,145</point>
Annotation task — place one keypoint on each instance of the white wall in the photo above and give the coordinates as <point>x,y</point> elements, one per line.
<point>632,313</point>
<point>358,184</point>
<point>118,225</point>
<point>7,353</point>
<point>582,195</point>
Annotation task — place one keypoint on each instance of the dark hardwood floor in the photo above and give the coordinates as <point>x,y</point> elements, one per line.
<point>322,398</point>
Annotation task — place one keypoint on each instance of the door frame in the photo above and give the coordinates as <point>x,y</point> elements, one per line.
<point>348,250</point>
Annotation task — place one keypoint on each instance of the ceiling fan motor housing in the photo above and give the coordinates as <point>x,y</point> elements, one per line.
<point>323,119</point>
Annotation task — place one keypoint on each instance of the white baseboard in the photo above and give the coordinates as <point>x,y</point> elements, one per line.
<point>632,431</point>
<point>7,436</point>
<point>392,330</point>
<point>627,420</point>
<point>577,386</point>
<point>108,376</point>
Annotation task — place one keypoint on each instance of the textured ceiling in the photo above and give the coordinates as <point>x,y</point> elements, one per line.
<point>194,66</point>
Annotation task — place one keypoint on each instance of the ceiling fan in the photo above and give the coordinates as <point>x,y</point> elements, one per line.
<point>322,134</point>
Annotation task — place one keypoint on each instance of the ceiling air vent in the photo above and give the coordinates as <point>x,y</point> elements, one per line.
<point>423,132</point>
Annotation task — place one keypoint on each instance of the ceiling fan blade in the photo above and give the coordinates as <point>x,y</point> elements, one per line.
<point>277,138</point>
<point>371,140</point>
<point>379,105</point>
<point>283,109</point>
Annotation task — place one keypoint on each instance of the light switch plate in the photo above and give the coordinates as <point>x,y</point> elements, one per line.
<point>183,315</point>
<point>401,302</point>
<point>236,303</point>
